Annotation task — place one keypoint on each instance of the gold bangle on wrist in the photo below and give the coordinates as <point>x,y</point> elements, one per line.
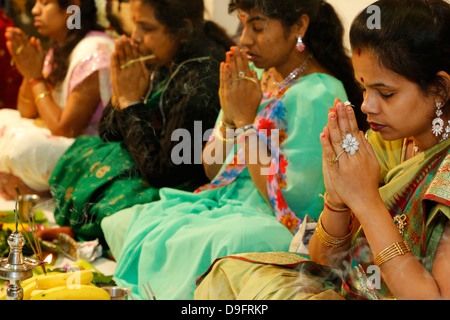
<point>42,96</point>
<point>329,240</point>
<point>394,250</point>
<point>227,125</point>
<point>219,135</point>
<point>330,206</point>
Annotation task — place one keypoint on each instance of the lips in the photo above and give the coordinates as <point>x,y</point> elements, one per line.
<point>37,23</point>
<point>376,126</point>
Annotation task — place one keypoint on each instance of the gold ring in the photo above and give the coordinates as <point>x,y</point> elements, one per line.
<point>19,50</point>
<point>333,161</point>
<point>244,78</point>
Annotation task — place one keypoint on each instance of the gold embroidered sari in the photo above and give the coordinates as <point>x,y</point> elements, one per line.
<point>416,191</point>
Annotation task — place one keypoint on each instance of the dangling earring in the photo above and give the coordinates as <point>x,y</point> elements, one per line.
<point>438,123</point>
<point>447,132</point>
<point>300,46</point>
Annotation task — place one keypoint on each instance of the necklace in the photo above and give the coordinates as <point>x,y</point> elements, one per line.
<point>291,77</point>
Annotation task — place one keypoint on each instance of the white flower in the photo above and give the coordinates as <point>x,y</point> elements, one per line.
<point>350,144</point>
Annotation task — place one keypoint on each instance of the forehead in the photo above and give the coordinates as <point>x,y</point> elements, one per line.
<point>141,11</point>
<point>370,72</point>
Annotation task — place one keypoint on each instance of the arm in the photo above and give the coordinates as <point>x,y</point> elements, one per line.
<point>78,111</point>
<point>358,189</point>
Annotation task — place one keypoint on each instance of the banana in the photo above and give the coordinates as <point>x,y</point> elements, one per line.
<point>81,277</point>
<point>27,290</point>
<point>85,292</point>
<point>35,292</point>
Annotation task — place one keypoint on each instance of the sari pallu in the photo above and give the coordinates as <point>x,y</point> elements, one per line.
<point>417,188</point>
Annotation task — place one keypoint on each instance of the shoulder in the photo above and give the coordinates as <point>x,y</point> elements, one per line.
<point>317,86</point>
<point>314,94</point>
<point>95,42</point>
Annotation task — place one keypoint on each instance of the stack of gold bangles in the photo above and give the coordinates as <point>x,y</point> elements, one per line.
<point>329,240</point>
<point>394,250</point>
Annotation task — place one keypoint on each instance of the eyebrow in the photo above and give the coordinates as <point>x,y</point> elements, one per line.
<point>255,19</point>
<point>379,84</point>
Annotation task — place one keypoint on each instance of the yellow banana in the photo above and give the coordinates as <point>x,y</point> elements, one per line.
<point>35,292</point>
<point>85,292</point>
<point>81,277</point>
<point>27,290</point>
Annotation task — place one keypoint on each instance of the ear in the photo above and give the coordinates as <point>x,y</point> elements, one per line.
<point>301,26</point>
<point>187,31</point>
<point>444,89</point>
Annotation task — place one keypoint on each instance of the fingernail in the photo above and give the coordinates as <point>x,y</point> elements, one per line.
<point>332,115</point>
<point>322,136</point>
<point>331,110</point>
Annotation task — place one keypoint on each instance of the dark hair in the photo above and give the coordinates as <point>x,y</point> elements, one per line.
<point>324,38</point>
<point>186,18</point>
<point>60,63</point>
<point>413,41</point>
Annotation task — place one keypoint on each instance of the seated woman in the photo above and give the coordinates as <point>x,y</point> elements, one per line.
<point>250,204</point>
<point>11,78</point>
<point>370,242</point>
<point>136,152</point>
<point>62,94</point>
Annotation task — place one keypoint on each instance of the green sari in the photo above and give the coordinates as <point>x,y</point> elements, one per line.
<point>417,187</point>
<point>95,179</point>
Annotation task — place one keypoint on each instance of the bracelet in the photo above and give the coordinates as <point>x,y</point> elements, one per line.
<point>329,240</point>
<point>33,81</point>
<point>329,206</point>
<point>394,250</point>
<point>218,134</point>
<point>247,131</point>
<point>226,125</point>
<point>42,95</point>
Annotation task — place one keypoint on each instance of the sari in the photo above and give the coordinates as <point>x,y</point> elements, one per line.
<point>170,242</point>
<point>130,160</point>
<point>417,189</point>
<point>28,150</point>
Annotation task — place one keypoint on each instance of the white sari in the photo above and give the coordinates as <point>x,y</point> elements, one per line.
<point>31,152</point>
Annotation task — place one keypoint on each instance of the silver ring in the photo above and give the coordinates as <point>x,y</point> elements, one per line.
<point>350,144</point>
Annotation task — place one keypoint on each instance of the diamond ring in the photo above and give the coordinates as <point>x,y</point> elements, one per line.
<point>350,144</point>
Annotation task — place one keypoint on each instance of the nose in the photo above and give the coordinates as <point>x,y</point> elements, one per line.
<point>369,105</point>
<point>246,39</point>
<point>35,10</point>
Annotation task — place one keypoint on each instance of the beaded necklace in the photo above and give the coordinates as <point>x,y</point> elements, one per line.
<point>291,77</point>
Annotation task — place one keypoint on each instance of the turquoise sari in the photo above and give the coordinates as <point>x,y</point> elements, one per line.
<point>171,242</point>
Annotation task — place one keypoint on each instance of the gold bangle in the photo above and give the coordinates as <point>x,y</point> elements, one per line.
<point>330,206</point>
<point>394,250</point>
<point>219,135</point>
<point>329,240</point>
<point>42,96</point>
<point>227,125</point>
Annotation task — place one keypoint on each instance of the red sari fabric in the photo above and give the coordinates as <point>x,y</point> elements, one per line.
<point>10,78</point>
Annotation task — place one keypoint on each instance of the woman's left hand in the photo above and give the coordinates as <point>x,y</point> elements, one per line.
<point>129,82</point>
<point>28,55</point>
<point>352,164</point>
